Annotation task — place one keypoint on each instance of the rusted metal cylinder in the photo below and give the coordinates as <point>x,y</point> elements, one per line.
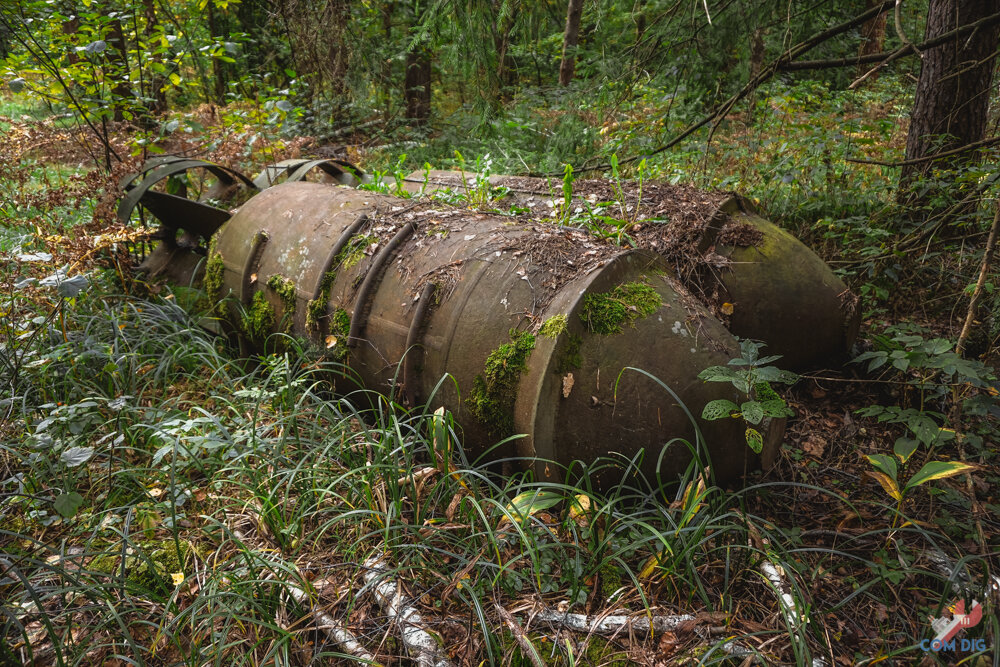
<point>761,281</point>
<point>534,324</point>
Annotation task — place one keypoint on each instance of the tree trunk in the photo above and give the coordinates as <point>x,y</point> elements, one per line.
<point>157,83</point>
<point>570,39</point>
<point>872,37</point>
<point>417,84</point>
<point>121,91</point>
<point>953,93</point>
<point>219,78</point>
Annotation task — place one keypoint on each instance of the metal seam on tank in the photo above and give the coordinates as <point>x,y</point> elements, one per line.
<point>251,264</point>
<point>358,317</point>
<point>460,309</point>
<point>341,243</point>
<point>412,342</point>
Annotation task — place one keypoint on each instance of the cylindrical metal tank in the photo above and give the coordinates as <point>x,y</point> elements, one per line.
<point>534,324</point>
<point>761,281</point>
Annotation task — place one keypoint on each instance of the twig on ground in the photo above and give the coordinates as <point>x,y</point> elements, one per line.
<point>343,637</point>
<point>419,644</point>
<point>526,646</point>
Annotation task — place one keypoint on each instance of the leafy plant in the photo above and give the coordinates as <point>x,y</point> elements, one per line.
<point>886,472</point>
<point>751,375</point>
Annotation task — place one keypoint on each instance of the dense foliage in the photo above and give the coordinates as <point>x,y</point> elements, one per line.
<point>165,501</point>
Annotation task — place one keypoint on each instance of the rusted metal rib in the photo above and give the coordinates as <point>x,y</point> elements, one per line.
<point>410,383</point>
<point>337,248</point>
<point>250,267</point>
<point>359,316</point>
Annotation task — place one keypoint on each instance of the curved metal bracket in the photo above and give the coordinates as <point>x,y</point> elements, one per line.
<point>177,212</point>
<point>341,171</point>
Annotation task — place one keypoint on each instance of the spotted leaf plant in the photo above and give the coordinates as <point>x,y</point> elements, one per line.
<point>752,376</point>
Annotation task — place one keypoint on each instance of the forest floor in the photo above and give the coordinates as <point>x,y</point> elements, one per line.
<point>165,502</point>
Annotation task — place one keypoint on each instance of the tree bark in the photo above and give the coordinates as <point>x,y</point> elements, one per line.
<point>417,84</point>
<point>872,37</point>
<point>121,91</point>
<point>219,78</point>
<point>570,39</point>
<point>953,93</point>
<point>157,83</point>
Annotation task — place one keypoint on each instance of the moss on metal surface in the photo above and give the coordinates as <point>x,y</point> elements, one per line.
<point>316,308</point>
<point>495,391</point>
<point>608,313</point>
<point>258,320</point>
<point>215,271</point>
<point>553,326</point>
<point>285,289</point>
<point>570,357</point>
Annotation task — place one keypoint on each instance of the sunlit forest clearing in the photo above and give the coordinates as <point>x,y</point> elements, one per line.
<point>655,333</point>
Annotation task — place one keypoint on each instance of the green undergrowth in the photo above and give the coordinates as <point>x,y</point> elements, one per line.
<point>608,313</point>
<point>258,320</point>
<point>138,439</point>
<point>494,392</point>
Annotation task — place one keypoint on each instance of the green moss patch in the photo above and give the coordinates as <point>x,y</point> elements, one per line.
<point>148,565</point>
<point>494,392</point>
<point>554,326</point>
<point>317,307</point>
<point>354,251</point>
<point>258,320</point>
<point>570,357</point>
<point>215,271</point>
<point>285,289</point>
<point>608,313</point>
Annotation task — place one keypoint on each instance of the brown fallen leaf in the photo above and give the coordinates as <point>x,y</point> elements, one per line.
<point>567,384</point>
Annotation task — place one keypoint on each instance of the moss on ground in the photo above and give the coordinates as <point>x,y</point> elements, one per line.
<point>554,326</point>
<point>285,289</point>
<point>608,313</point>
<point>494,392</point>
<point>149,565</point>
<point>258,320</point>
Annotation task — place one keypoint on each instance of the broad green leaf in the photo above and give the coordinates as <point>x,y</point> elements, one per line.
<point>924,428</point>
<point>904,448</point>
<point>527,503</point>
<point>776,407</point>
<point>752,412</point>
<point>886,464</point>
<point>754,440</point>
<point>888,483</point>
<point>175,79</point>
<point>67,504</point>
<point>718,409</point>
<point>938,470</point>
<point>75,456</point>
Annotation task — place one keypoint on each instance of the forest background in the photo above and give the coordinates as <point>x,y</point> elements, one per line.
<point>165,502</point>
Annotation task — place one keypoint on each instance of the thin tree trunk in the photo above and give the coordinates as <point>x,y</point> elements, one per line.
<point>571,38</point>
<point>872,37</point>
<point>157,92</point>
<point>417,84</point>
<point>977,292</point>
<point>953,93</point>
<point>219,78</point>
<point>121,91</point>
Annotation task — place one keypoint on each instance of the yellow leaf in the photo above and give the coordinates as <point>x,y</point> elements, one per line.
<point>331,341</point>
<point>727,308</point>
<point>888,484</point>
<point>156,492</point>
<point>178,578</point>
